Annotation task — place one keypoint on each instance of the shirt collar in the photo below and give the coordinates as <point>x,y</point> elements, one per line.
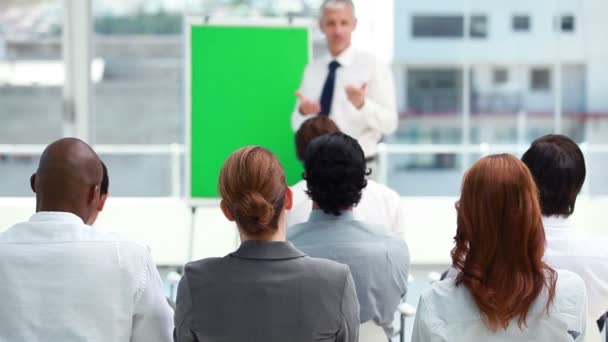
<point>558,222</point>
<point>318,215</point>
<point>55,216</point>
<point>345,58</point>
<point>267,250</point>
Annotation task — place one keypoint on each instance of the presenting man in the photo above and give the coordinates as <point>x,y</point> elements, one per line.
<point>351,87</point>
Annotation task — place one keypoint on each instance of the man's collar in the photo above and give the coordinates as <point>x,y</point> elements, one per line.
<point>267,250</point>
<point>318,215</point>
<point>55,216</point>
<point>345,58</point>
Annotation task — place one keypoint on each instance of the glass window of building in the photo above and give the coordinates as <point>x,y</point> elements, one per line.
<point>431,26</point>
<point>500,76</point>
<point>521,23</point>
<point>478,26</point>
<point>567,23</point>
<point>540,79</point>
<point>31,85</point>
<point>31,71</point>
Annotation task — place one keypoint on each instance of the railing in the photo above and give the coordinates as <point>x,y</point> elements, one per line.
<point>176,152</point>
<point>386,150</point>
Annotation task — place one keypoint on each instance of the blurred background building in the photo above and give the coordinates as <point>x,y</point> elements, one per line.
<point>467,72</point>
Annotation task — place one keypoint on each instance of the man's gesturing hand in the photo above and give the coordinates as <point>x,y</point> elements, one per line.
<point>307,107</point>
<point>357,95</point>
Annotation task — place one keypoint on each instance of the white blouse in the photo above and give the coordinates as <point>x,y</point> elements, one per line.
<point>448,313</point>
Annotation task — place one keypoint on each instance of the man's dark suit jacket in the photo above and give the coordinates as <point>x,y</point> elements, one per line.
<point>266,292</point>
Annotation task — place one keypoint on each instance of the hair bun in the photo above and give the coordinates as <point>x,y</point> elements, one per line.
<point>255,208</point>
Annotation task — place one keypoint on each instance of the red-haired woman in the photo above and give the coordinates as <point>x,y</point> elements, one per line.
<point>502,291</point>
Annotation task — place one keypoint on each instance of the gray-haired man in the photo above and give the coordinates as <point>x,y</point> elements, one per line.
<point>351,87</point>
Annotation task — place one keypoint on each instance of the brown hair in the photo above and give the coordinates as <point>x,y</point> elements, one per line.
<point>310,129</point>
<point>252,186</point>
<point>500,241</point>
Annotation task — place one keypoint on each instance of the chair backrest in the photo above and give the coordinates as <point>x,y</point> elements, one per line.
<point>592,332</point>
<point>371,332</point>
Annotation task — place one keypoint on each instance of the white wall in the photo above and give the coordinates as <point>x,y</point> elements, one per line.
<point>164,224</point>
<point>374,30</point>
<point>596,47</point>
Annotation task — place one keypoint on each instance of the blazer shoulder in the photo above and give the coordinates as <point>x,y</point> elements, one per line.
<point>329,271</point>
<point>199,266</point>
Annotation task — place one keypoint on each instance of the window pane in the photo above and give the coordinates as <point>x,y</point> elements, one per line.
<point>31,71</point>
<point>540,79</point>
<point>503,108</point>
<point>139,98</point>
<point>433,105</point>
<point>425,174</point>
<point>521,23</point>
<point>16,172</point>
<point>479,26</point>
<point>437,26</point>
<point>434,90</point>
<point>142,176</point>
<point>567,23</point>
<point>501,76</point>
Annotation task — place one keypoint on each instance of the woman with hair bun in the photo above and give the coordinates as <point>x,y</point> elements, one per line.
<point>502,291</point>
<point>266,290</point>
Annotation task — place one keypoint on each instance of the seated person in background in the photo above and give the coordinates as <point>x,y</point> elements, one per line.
<point>558,167</point>
<point>503,291</point>
<point>379,204</point>
<point>335,174</point>
<point>63,280</point>
<point>103,195</point>
<point>267,290</point>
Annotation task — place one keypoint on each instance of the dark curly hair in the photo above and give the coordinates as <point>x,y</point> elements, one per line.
<point>558,167</point>
<point>335,171</point>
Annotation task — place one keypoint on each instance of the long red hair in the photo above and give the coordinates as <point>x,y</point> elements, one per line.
<point>500,241</point>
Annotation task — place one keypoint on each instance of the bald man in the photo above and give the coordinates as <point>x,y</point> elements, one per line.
<point>62,280</point>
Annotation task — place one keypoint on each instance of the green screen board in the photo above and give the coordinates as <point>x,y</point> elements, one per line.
<point>242,83</point>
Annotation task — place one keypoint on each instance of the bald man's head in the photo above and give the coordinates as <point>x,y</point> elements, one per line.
<point>68,178</point>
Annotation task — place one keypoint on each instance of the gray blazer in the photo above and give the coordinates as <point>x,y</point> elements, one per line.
<point>266,292</point>
<point>379,261</point>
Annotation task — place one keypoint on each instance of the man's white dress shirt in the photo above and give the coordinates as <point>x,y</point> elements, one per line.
<point>378,115</point>
<point>571,250</point>
<point>379,205</point>
<point>448,313</point>
<point>62,280</point>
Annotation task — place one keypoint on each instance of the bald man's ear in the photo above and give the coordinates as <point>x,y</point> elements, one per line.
<point>94,194</point>
<point>33,182</point>
<point>102,202</point>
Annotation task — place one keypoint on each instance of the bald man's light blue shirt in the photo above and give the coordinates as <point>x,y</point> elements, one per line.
<point>379,261</point>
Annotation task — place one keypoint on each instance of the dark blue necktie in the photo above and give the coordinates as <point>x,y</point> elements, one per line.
<point>328,88</point>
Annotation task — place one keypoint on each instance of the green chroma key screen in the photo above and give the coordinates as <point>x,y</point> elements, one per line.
<point>243,80</point>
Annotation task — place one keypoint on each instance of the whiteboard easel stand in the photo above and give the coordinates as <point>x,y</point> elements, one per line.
<point>195,203</point>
